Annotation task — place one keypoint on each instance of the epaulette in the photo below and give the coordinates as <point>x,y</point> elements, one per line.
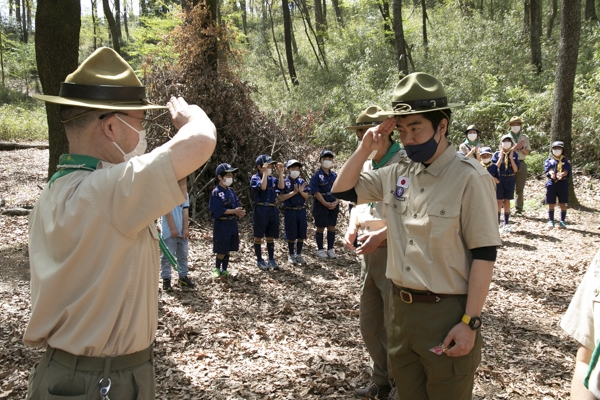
<point>473,163</point>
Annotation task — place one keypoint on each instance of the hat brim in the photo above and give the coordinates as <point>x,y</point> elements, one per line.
<point>391,113</point>
<point>99,104</point>
<point>357,127</point>
<point>296,163</point>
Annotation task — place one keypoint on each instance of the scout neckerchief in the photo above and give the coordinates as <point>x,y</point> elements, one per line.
<point>592,365</point>
<point>515,138</point>
<point>559,163</point>
<point>68,163</point>
<point>506,154</point>
<point>388,156</point>
<point>475,143</point>
<point>488,165</point>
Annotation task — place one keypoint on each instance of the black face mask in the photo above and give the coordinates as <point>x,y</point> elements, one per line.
<point>424,151</point>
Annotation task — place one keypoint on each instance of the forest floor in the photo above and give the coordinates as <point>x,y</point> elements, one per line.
<point>293,333</point>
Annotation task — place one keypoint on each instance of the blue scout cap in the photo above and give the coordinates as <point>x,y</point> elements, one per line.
<point>507,136</point>
<point>293,162</point>
<point>224,168</point>
<point>485,150</point>
<point>558,143</point>
<point>325,153</point>
<point>264,159</point>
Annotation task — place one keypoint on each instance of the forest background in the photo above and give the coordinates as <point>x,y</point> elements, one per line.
<point>286,77</point>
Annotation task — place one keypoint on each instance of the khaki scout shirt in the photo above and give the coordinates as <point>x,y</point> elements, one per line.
<point>94,257</point>
<point>525,139</point>
<point>434,215</point>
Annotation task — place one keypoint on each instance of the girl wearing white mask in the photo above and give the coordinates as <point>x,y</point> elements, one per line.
<point>558,169</point>
<point>507,161</point>
<point>470,147</point>
<point>293,197</point>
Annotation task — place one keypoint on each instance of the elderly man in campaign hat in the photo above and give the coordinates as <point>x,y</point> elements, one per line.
<point>93,244</point>
<point>440,261</point>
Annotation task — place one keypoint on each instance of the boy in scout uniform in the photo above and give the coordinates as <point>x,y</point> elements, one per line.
<point>325,207</point>
<point>507,162</point>
<point>225,209</point>
<point>367,223</point>
<point>558,169</point>
<point>523,148</point>
<point>485,155</point>
<point>439,260</point>
<point>265,222</point>
<point>293,197</point>
<point>93,243</point>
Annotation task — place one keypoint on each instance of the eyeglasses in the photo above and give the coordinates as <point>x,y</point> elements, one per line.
<point>146,121</point>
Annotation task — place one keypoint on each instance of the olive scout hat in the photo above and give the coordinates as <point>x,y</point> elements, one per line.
<point>103,81</point>
<point>515,120</point>
<point>419,93</point>
<point>224,168</point>
<point>472,128</point>
<point>368,118</point>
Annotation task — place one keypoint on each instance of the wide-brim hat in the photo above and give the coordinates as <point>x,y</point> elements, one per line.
<point>419,93</point>
<point>514,120</point>
<point>103,81</point>
<point>558,143</point>
<point>264,159</point>
<point>224,168</point>
<point>368,118</point>
<point>326,153</point>
<point>293,162</point>
<point>472,128</point>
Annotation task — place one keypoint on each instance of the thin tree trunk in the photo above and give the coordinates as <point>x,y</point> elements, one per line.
<point>11,7</point>
<point>112,26</point>
<point>117,4</point>
<point>270,5</point>
<point>319,23</point>
<point>2,53</point>
<point>143,8</point>
<point>24,21</point>
<point>562,105</point>
<point>425,40</point>
<point>384,9</point>
<point>399,35</point>
<point>552,18</point>
<point>526,16</point>
<point>18,12</point>
<point>535,34</point>
<point>287,30</point>
<point>338,12</point>
<point>125,23</point>
<point>306,19</point>
<point>57,25</point>
<point>94,22</point>
<point>244,19</point>
<point>590,11</point>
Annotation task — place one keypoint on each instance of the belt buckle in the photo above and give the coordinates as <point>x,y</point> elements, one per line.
<point>408,295</point>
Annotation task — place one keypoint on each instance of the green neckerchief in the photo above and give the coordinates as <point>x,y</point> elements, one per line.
<point>475,143</point>
<point>68,163</point>
<point>516,138</point>
<point>592,365</point>
<point>388,156</point>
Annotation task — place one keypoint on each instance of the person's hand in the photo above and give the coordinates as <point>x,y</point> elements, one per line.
<point>369,243</point>
<point>240,212</point>
<point>174,233</point>
<point>374,138</point>
<point>349,238</point>
<point>473,150</point>
<point>464,340</point>
<point>512,153</point>
<point>186,233</point>
<point>265,167</point>
<point>280,167</point>
<point>295,188</point>
<point>552,175</point>
<point>520,145</point>
<point>182,113</point>
<point>302,187</point>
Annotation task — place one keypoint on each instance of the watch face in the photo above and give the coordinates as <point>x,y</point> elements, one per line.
<point>475,323</point>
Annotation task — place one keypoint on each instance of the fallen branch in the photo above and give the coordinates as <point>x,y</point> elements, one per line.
<point>6,146</point>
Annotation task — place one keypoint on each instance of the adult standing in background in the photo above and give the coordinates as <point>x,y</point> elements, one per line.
<point>93,244</point>
<point>470,147</point>
<point>523,148</point>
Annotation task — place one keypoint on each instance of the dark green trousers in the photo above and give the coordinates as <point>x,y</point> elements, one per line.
<point>419,373</point>
<point>61,375</point>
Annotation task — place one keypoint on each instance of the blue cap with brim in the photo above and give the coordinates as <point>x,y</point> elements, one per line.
<point>224,168</point>
<point>293,162</point>
<point>264,159</point>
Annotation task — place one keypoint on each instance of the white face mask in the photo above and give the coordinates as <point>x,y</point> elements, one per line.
<point>557,152</point>
<point>506,145</point>
<point>372,155</point>
<point>139,149</point>
<point>269,171</point>
<point>227,181</point>
<point>327,164</point>
<point>486,160</point>
<point>515,128</point>
<point>472,137</point>
<point>294,174</point>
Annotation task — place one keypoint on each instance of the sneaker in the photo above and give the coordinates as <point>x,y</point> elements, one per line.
<point>216,273</point>
<point>372,391</point>
<point>225,274</point>
<point>331,253</point>
<point>550,224</point>
<point>506,228</point>
<point>321,253</point>
<point>185,281</point>
<point>272,264</point>
<point>562,225</point>
<point>519,213</point>
<point>262,265</point>
<point>291,259</point>
<point>167,285</point>
<point>392,395</point>
<point>300,260</point>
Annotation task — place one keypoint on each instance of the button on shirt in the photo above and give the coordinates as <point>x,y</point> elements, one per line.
<point>94,257</point>
<point>434,216</point>
<point>322,182</point>
<point>177,214</point>
<point>288,187</point>
<point>221,200</point>
<point>264,196</point>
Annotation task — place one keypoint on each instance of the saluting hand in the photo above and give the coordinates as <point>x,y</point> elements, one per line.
<point>373,139</point>
<point>182,113</point>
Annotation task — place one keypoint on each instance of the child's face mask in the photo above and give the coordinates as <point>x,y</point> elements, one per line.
<point>557,152</point>
<point>472,137</point>
<point>228,181</point>
<point>486,160</point>
<point>506,145</point>
<point>294,174</point>
<point>327,164</point>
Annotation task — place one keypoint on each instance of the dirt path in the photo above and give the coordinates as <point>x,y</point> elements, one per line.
<point>293,334</point>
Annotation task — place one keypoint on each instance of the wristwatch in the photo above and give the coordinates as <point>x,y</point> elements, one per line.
<point>473,322</point>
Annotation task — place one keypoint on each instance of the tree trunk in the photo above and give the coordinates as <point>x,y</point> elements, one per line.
<point>590,11</point>
<point>95,22</point>
<point>562,105</point>
<point>384,9</point>
<point>117,4</point>
<point>287,31</point>
<point>112,26</point>
<point>319,23</point>
<point>270,4</point>
<point>552,18</point>
<point>526,16</point>
<point>400,42</point>
<point>24,21</point>
<point>338,12</point>
<point>125,18</point>
<point>18,12</point>
<point>57,25</point>
<point>2,54</point>
<point>425,41</point>
<point>11,7</point>
<point>535,34</point>
<point>244,18</point>
<point>308,25</point>
<point>143,8</point>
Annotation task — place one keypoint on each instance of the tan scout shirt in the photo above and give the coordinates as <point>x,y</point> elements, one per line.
<point>94,257</point>
<point>434,216</point>
<point>525,139</point>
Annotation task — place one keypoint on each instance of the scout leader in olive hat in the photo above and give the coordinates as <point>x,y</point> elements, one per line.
<point>371,116</point>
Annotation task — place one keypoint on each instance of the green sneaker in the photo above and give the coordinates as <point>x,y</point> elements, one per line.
<point>216,273</point>
<point>550,224</point>
<point>225,274</point>
<point>562,224</point>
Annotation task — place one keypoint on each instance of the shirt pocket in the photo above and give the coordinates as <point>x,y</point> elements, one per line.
<point>444,221</point>
<point>392,207</point>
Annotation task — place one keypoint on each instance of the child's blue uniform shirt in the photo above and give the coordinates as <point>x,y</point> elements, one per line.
<point>492,169</point>
<point>288,187</point>
<point>264,196</point>
<point>323,182</point>
<point>552,164</point>
<point>222,199</point>
<point>504,170</point>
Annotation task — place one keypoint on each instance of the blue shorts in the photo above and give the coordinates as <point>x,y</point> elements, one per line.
<point>295,224</point>
<point>323,216</point>
<point>505,189</point>
<point>225,236</point>
<point>265,222</point>
<point>558,189</point>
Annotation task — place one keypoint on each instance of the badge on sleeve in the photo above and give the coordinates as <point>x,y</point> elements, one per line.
<point>401,186</point>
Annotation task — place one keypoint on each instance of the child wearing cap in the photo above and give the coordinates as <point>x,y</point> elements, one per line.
<point>470,147</point>
<point>558,169</point>
<point>507,161</point>
<point>485,156</point>
<point>265,221</point>
<point>293,196</point>
<point>326,206</point>
<point>225,209</point>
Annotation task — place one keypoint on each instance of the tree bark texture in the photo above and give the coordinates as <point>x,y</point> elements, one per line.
<point>287,31</point>
<point>535,34</point>
<point>590,11</point>
<point>319,23</point>
<point>552,18</point>
<point>338,12</point>
<point>399,35</point>
<point>425,40</point>
<point>112,25</point>
<point>384,9</point>
<point>57,53</point>
<point>562,105</point>
<point>117,4</point>
<point>526,16</point>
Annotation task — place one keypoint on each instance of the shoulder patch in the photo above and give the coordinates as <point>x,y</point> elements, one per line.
<point>475,164</point>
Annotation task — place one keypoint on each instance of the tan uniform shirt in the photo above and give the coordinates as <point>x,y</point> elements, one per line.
<point>94,257</point>
<point>434,216</point>
<point>525,139</point>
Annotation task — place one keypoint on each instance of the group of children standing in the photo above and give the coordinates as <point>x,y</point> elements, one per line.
<point>504,164</point>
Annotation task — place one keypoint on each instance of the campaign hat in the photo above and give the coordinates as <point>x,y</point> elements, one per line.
<point>368,118</point>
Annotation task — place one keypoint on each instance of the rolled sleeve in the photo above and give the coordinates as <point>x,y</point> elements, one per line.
<point>369,187</point>
<point>480,198</point>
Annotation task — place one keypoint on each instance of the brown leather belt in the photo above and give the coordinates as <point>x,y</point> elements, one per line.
<point>409,297</point>
<point>265,204</point>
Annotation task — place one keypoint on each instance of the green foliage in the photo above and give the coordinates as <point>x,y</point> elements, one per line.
<point>535,162</point>
<point>19,123</point>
